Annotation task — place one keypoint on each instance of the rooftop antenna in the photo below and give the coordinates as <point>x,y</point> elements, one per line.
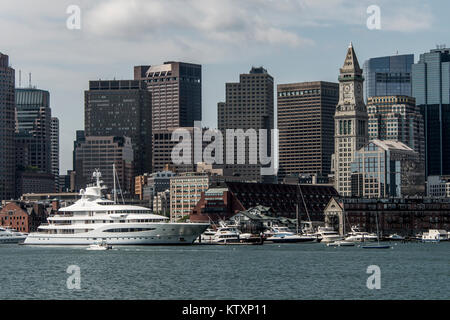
<point>29,79</point>
<point>20,78</point>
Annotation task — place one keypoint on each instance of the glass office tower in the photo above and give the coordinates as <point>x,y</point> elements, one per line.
<point>431,88</point>
<point>388,76</point>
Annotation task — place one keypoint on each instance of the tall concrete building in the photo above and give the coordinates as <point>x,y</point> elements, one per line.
<point>122,108</point>
<point>350,122</point>
<point>176,89</point>
<point>97,152</point>
<point>54,150</point>
<point>396,118</point>
<point>306,127</point>
<point>388,76</point>
<point>431,88</point>
<point>7,129</point>
<point>248,104</point>
<point>33,126</point>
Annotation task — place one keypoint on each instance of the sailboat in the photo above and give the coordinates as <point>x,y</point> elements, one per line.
<point>378,245</point>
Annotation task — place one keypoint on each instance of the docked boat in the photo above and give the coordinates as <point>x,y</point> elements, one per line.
<point>8,235</point>
<point>226,234</point>
<point>283,235</point>
<point>341,243</point>
<point>94,218</point>
<point>356,235</point>
<point>435,235</point>
<point>395,237</point>
<point>328,234</point>
<point>207,236</point>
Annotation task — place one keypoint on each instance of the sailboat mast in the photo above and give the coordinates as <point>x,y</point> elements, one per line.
<point>114,175</point>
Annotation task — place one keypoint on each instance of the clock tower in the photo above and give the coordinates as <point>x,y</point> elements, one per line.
<point>350,122</point>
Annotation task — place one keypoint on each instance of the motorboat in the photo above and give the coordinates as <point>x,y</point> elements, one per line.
<point>283,235</point>
<point>341,243</point>
<point>434,235</point>
<point>395,237</point>
<point>8,235</point>
<point>356,235</point>
<point>328,234</point>
<point>99,246</point>
<point>226,234</point>
<point>94,218</point>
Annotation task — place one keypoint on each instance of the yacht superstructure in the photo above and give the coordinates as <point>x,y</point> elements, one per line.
<point>8,235</point>
<point>94,218</point>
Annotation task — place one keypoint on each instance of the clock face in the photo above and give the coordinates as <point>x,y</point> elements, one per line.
<point>347,88</point>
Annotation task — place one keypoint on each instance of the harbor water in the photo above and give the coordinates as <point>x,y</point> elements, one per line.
<point>270,271</point>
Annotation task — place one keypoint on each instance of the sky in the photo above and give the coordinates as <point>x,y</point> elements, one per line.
<point>295,40</point>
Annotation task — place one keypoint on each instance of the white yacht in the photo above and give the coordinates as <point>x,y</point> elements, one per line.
<point>435,235</point>
<point>94,218</point>
<point>283,235</point>
<point>356,235</point>
<point>226,234</point>
<point>328,234</point>
<point>8,235</point>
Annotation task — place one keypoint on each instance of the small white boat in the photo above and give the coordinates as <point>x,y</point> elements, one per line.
<point>341,243</point>
<point>356,235</point>
<point>283,235</point>
<point>99,246</point>
<point>396,237</point>
<point>328,234</point>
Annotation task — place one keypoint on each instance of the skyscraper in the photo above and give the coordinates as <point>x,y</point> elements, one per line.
<point>350,119</point>
<point>306,127</point>
<point>431,88</point>
<point>176,89</point>
<point>388,76</point>
<point>121,108</point>
<point>55,150</point>
<point>7,129</point>
<point>34,126</point>
<point>248,105</point>
<point>97,152</point>
<point>396,118</point>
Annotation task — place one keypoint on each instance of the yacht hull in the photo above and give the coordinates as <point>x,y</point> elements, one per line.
<point>158,234</point>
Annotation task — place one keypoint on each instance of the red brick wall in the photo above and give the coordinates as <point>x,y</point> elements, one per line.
<point>15,217</point>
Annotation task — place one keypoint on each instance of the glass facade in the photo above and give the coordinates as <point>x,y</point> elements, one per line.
<point>386,169</point>
<point>431,88</point>
<point>388,76</point>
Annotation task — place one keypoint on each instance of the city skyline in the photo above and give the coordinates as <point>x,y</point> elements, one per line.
<point>281,44</point>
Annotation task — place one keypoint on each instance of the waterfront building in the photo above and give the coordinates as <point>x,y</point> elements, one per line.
<point>249,104</point>
<point>161,203</point>
<point>185,192</point>
<point>388,76</point>
<point>306,127</point>
<point>225,200</point>
<point>148,185</point>
<point>385,168</point>
<point>176,90</point>
<point>396,118</point>
<point>33,129</point>
<point>54,150</point>
<point>431,88</point>
<point>23,216</point>
<point>101,153</point>
<point>122,108</point>
<point>403,216</point>
<point>7,129</point>
<point>350,122</point>
<point>438,186</point>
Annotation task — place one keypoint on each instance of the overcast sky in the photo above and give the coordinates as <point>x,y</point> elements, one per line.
<point>295,40</point>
